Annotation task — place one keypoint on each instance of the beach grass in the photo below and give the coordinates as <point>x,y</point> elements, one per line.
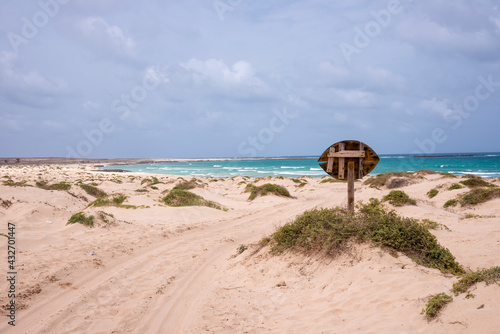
<point>179,197</point>
<point>479,195</point>
<point>435,304</point>
<point>330,229</point>
<point>399,198</point>
<point>489,276</point>
<point>432,193</point>
<point>80,218</point>
<point>266,189</point>
<point>92,190</point>
<point>112,200</point>
<point>54,186</point>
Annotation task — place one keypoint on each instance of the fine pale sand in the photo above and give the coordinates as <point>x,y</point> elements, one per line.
<point>160,269</point>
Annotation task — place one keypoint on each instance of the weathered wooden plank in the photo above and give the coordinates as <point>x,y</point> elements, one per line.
<point>329,167</point>
<point>350,186</point>
<point>347,154</point>
<point>341,162</point>
<point>361,166</point>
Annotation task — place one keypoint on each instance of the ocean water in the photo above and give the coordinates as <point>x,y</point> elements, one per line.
<point>482,164</point>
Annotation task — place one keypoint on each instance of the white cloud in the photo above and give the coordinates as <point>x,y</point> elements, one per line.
<point>360,75</point>
<point>431,35</point>
<point>436,106</point>
<point>105,35</point>
<point>240,73</point>
<point>30,82</point>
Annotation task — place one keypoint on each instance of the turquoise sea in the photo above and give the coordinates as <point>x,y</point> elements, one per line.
<point>482,164</point>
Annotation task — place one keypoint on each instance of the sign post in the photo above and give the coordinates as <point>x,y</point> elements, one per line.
<point>351,155</point>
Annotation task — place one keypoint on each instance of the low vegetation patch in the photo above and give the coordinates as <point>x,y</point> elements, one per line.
<point>381,180</point>
<point>112,200</point>
<point>92,190</point>
<point>471,216</point>
<point>399,198</point>
<point>450,202</point>
<point>54,186</point>
<point>187,185</point>
<point>151,181</point>
<point>477,183</point>
<point>80,218</point>
<point>330,229</point>
<point>11,183</point>
<point>430,224</point>
<point>329,179</point>
<point>432,193</point>
<point>179,197</point>
<point>489,276</point>
<point>266,189</point>
<point>435,304</point>
<point>455,186</point>
<point>241,249</point>
<point>300,183</point>
<point>479,195</point>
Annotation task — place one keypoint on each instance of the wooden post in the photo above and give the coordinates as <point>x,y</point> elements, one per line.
<point>341,162</point>
<point>350,186</point>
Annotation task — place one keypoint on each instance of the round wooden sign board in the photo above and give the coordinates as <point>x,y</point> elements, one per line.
<point>335,159</point>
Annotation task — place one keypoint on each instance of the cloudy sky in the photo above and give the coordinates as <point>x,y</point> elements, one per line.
<point>232,78</point>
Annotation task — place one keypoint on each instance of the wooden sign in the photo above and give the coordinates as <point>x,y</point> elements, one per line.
<point>351,157</point>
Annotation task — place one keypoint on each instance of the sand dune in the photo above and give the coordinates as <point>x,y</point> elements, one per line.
<point>160,269</point>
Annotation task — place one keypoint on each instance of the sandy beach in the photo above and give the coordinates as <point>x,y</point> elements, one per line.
<point>146,267</point>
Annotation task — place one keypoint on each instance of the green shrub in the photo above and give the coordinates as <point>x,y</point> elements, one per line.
<point>92,191</point>
<point>11,183</point>
<point>112,200</point>
<point>479,195</point>
<point>436,304</point>
<point>179,197</point>
<point>455,186</point>
<point>299,182</point>
<point>471,216</point>
<point>489,276</point>
<point>266,189</point>
<point>81,219</point>
<point>451,202</point>
<point>399,198</point>
<point>432,193</point>
<point>430,224</point>
<point>55,186</point>
<point>329,179</point>
<point>447,175</point>
<point>186,185</point>
<point>476,183</point>
<point>329,229</point>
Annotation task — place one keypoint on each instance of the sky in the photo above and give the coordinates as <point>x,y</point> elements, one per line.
<point>241,78</point>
